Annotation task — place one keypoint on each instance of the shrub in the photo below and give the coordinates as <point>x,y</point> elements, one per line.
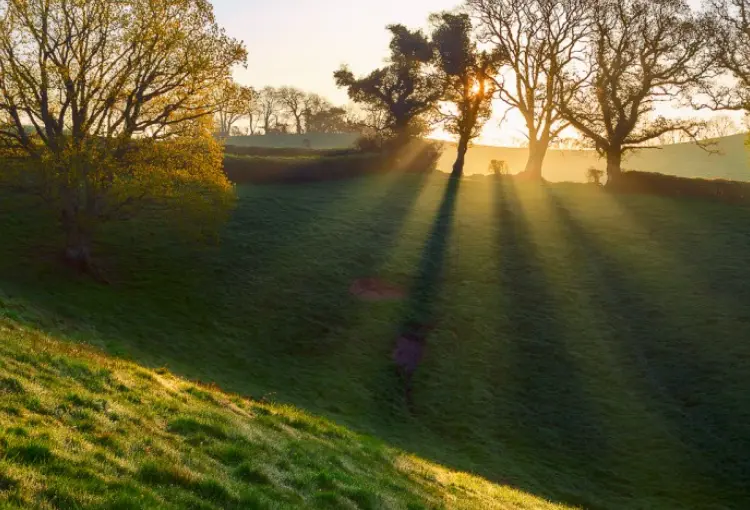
<point>242,150</point>
<point>594,176</point>
<point>416,157</point>
<point>498,167</point>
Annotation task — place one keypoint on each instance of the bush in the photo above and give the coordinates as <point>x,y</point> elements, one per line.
<point>369,143</point>
<point>242,150</point>
<point>267,170</point>
<point>419,156</point>
<point>594,176</point>
<point>499,167</point>
<point>669,185</point>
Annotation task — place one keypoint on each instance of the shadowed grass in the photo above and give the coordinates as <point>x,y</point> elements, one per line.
<point>588,349</point>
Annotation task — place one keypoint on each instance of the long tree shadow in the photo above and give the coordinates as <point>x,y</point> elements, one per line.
<point>703,239</point>
<point>661,344</point>
<point>212,297</point>
<point>420,316</point>
<point>545,408</point>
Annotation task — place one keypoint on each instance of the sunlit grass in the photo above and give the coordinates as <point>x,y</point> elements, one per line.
<point>79,429</point>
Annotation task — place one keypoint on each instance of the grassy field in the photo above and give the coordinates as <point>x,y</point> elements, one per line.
<point>588,349</point>
<point>728,159</point>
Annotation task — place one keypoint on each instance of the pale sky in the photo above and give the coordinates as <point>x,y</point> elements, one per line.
<point>302,42</point>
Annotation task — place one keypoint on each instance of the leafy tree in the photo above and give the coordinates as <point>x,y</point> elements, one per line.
<point>542,42</point>
<point>402,89</point>
<point>466,74</point>
<point>119,98</point>
<point>330,120</point>
<point>233,102</point>
<point>314,104</point>
<point>642,52</point>
<point>294,101</point>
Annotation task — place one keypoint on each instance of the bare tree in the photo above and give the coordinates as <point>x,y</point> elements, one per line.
<point>642,52</point>
<point>269,108</point>
<point>729,51</point>
<point>294,101</point>
<point>721,126</point>
<point>542,40</point>
<point>233,102</point>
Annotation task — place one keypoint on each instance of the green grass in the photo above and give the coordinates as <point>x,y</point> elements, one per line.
<point>82,430</point>
<point>589,349</point>
<point>727,159</point>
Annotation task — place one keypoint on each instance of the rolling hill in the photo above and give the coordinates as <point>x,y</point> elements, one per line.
<point>728,159</point>
<point>584,348</point>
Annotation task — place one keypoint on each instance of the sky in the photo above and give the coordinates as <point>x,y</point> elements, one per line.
<point>302,42</point>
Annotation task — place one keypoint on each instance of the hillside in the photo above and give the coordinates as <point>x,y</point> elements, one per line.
<point>82,430</point>
<point>728,159</point>
<point>584,348</point>
<point>731,160</point>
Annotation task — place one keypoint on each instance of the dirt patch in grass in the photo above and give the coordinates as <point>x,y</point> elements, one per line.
<point>375,289</point>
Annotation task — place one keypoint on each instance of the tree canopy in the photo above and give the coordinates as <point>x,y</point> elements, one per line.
<point>100,83</point>
<point>467,76</point>
<point>402,89</point>
<point>641,53</point>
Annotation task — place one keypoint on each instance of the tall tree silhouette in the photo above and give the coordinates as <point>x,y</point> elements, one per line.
<point>466,74</point>
<point>269,108</point>
<point>542,41</point>
<point>293,101</point>
<point>642,52</point>
<point>402,89</point>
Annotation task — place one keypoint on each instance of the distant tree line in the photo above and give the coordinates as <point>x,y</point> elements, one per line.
<point>246,111</point>
<point>599,67</point>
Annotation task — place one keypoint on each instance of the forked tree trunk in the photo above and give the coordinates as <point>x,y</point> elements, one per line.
<point>458,166</point>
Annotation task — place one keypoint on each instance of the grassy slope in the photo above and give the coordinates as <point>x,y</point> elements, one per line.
<point>80,430</point>
<point>589,349</point>
<point>731,160</point>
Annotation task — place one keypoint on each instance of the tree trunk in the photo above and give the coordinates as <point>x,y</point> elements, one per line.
<point>458,166</point>
<point>299,125</point>
<point>77,252</point>
<point>537,153</point>
<point>614,166</point>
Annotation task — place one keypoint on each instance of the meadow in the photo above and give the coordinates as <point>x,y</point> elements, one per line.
<point>723,158</point>
<point>587,349</point>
